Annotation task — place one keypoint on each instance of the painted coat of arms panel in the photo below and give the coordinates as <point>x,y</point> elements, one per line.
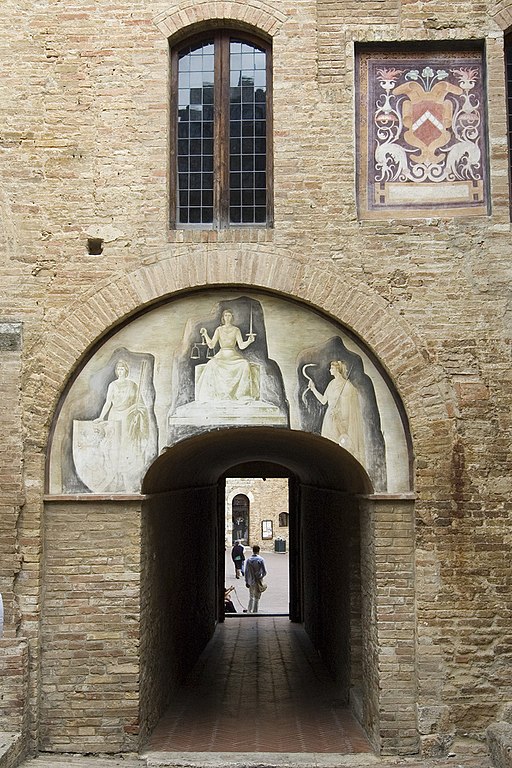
<point>421,134</point>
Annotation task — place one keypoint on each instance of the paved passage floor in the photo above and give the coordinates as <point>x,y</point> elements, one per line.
<point>258,687</point>
<point>258,697</point>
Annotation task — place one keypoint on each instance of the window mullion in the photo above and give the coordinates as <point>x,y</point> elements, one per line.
<point>222,136</point>
<point>269,137</point>
<point>173,143</point>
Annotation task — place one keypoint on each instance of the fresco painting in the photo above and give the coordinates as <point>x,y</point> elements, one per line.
<point>114,434</point>
<point>421,134</point>
<point>222,374</point>
<point>220,360</point>
<point>338,402</point>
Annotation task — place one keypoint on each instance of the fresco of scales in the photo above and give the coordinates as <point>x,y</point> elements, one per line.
<point>234,382</point>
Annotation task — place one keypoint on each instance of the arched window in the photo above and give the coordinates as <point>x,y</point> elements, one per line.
<point>221,132</point>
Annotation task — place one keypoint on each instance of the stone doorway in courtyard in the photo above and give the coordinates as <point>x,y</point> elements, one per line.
<point>262,504</point>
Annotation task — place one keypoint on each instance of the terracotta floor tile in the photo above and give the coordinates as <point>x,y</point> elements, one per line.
<point>259,686</point>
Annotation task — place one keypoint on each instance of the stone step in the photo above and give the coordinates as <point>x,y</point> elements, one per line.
<point>303,760</point>
<point>11,747</point>
<point>79,761</point>
<point>254,760</point>
<point>259,760</point>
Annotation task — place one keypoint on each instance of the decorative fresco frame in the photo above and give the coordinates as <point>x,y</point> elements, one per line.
<point>421,133</point>
<point>218,360</point>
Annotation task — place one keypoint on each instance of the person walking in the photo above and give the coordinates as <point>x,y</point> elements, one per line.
<point>254,572</point>
<point>238,557</point>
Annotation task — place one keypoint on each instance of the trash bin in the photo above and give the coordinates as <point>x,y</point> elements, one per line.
<point>280,545</point>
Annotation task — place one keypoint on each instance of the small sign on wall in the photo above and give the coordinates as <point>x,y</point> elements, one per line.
<point>267,529</point>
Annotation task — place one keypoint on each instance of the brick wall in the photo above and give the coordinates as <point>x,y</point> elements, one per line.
<point>14,655</point>
<point>90,628</point>
<point>13,685</point>
<point>84,139</point>
<point>11,480</point>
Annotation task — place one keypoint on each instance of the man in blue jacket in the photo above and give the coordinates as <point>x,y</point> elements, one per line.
<point>254,572</point>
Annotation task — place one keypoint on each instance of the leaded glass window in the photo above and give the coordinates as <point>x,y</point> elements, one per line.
<point>195,134</point>
<point>221,153</point>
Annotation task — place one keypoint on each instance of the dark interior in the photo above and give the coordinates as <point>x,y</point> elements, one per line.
<point>182,551</point>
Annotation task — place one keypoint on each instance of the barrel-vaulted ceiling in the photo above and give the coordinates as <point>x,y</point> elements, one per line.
<point>255,451</point>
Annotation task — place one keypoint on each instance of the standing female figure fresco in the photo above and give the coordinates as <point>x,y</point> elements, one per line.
<point>342,420</point>
<point>124,404</point>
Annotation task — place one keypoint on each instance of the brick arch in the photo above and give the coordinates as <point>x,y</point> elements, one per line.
<point>77,330</point>
<point>263,16</point>
<point>501,13</point>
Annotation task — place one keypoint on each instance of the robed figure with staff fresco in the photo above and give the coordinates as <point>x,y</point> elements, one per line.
<point>342,419</point>
<point>344,406</point>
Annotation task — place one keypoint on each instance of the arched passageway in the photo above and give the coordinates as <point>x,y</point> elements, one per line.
<point>183,554</point>
<point>142,446</point>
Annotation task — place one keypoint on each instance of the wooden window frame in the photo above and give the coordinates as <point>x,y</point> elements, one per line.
<point>507,45</point>
<point>221,38</point>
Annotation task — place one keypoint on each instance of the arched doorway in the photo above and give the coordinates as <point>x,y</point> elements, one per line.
<point>332,570</point>
<point>268,501</point>
<point>240,518</point>
<point>347,495</point>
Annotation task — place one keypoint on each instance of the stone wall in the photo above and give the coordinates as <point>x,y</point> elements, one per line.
<point>12,748</point>
<point>267,500</point>
<point>11,480</point>
<point>14,651</point>
<point>395,623</point>
<point>389,651</point>
<point>14,685</point>
<point>85,154</point>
